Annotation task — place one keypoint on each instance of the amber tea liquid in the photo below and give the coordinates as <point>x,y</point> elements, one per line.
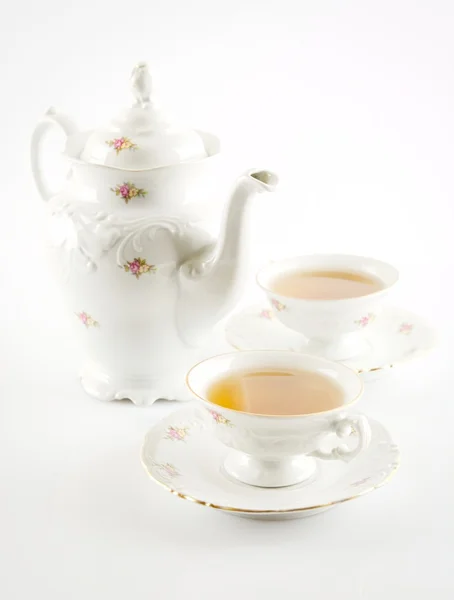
<point>276,392</point>
<point>325,285</point>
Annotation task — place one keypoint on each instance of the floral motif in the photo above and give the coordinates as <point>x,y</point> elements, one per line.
<point>360,482</point>
<point>277,305</point>
<point>266,314</point>
<point>138,267</point>
<point>176,433</point>
<point>406,328</point>
<point>120,144</point>
<point>353,430</point>
<point>220,418</point>
<point>128,191</point>
<point>87,320</point>
<point>167,469</point>
<point>364,321</point>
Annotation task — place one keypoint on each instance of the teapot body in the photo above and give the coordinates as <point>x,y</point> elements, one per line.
<point>143,280</point>
<point>164,190</point>
<point>119,276</point>
<point>116,241</point>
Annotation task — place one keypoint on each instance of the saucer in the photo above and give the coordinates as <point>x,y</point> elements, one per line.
<point>180,454</point>
<point>394,337</point>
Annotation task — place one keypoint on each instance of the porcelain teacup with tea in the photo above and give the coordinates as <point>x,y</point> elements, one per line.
<point>276,449</point>
<point>329,298</point>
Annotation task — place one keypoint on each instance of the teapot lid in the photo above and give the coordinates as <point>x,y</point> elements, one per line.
<point>141,137</point>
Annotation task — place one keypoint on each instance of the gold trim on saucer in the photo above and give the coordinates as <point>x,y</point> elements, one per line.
<point>373,369</point>
<point>396,465</point>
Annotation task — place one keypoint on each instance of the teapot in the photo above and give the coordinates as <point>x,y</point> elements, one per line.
<point>143,279</point>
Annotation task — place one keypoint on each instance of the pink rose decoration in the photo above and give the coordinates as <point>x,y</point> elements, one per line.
<point>266,314</point>
<point>364,321</point>
<point>134,267</point>
<point>220,418</point>
<point>86,320</point>
<point>138,267</point>
<point>124,191</point>
<point>277,305</point>
<point>122,143</point>
<point>127,190</point>
<point>177,433</point>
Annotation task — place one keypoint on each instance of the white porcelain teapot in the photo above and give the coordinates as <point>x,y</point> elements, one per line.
<point>143,279</point>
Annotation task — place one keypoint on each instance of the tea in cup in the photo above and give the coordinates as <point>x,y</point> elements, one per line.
<point>329,298</point>
<point>277,411</point>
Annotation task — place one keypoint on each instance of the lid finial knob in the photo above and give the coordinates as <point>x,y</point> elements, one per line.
<point>141,85</point>
<point>142,136</point>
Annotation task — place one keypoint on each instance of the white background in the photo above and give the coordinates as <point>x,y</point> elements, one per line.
<point>352,104</point>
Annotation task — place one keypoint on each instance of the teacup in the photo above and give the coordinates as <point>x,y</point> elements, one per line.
<point>333,329</point>
<point>274,450</point>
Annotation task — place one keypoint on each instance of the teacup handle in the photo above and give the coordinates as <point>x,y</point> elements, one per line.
<point>343,427</point>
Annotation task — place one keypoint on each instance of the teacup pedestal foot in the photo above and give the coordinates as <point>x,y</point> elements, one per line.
<point>141,391</point>
<point>269,473</point>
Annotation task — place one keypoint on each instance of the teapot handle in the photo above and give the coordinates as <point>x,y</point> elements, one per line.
<point>50,120</point>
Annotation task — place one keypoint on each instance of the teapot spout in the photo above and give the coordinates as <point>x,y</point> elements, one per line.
<point>211,282</point>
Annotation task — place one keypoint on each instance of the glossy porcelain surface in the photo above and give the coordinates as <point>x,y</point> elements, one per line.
<point>395,337</point>
<point>142,136</point>
<point>275,451</point>
<point>144,280</point>
<point>181,455</point>
<point>334,328</point>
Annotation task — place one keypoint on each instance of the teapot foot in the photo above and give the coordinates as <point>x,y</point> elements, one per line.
<point>141,391</point>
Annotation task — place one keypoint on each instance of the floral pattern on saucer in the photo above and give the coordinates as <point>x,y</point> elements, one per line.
<point>396,337</point>
<point>176,434</point>
<point>199,476</point>
<point>265,313</point>
<point>166,470</point>
<point>406,328</point>
<point>360,482</point>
